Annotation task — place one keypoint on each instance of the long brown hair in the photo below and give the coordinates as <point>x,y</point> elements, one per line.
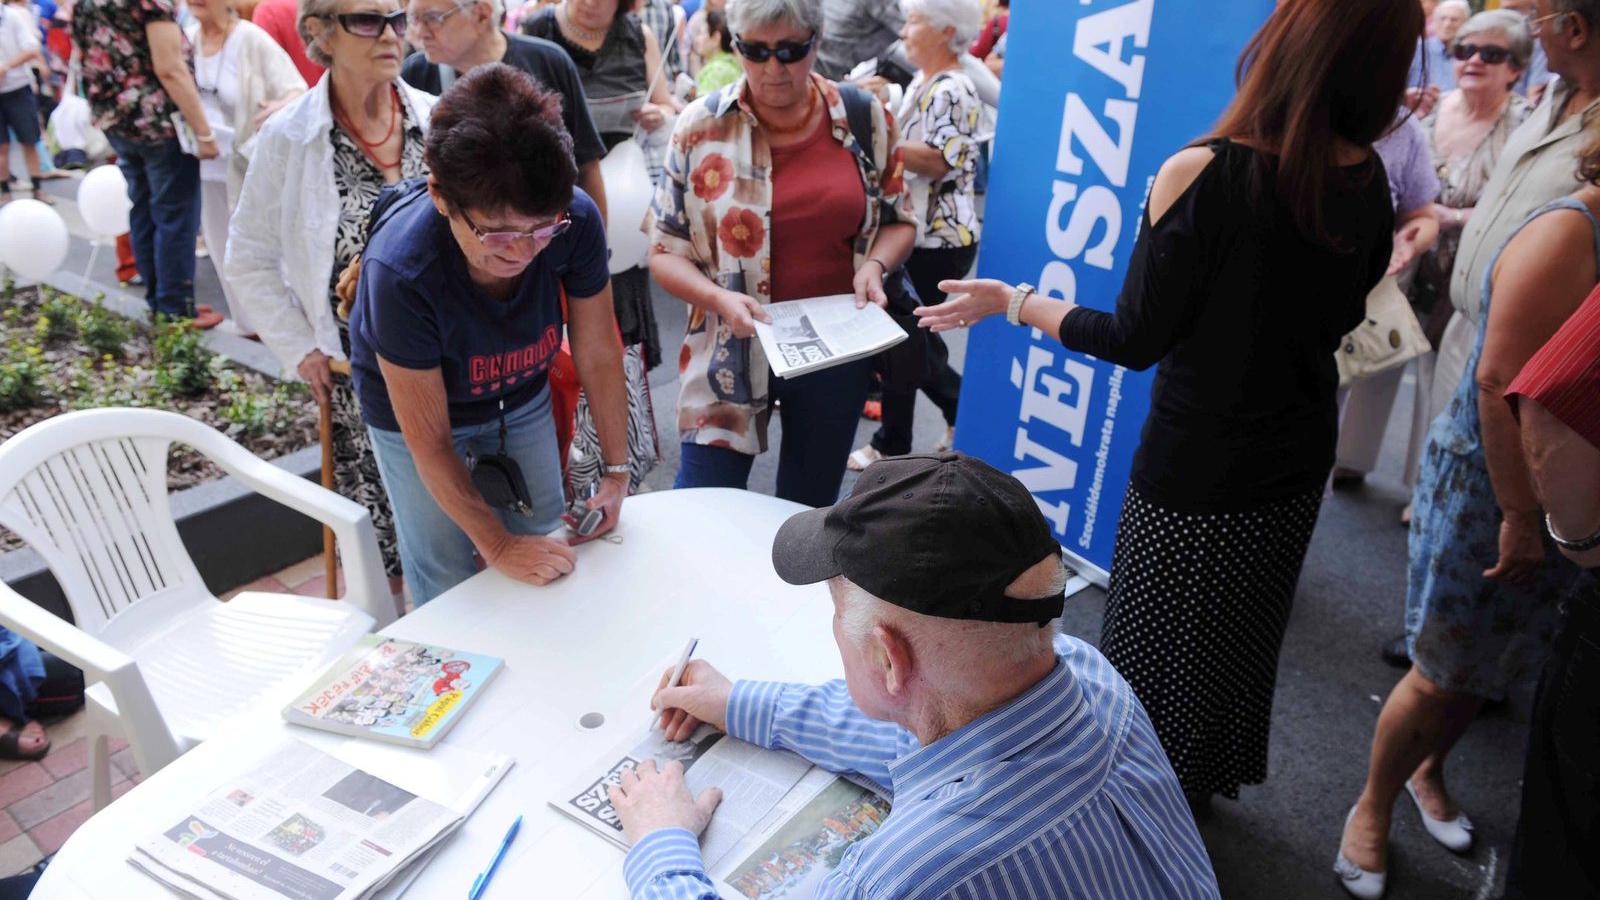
<point>1319,70</point>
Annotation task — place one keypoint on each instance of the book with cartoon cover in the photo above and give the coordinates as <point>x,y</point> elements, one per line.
<point>393,690</point>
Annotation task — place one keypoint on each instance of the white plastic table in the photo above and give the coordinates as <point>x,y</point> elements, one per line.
<point>695,562</point>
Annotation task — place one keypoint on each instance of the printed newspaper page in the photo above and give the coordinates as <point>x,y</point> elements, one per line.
<point>803,839</point>
<point>807,335</point>
<point>753,781</point>
<point>615,114</point>
<point>301,824</point>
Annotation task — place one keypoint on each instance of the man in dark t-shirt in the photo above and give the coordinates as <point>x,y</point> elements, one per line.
<point>455,38</point>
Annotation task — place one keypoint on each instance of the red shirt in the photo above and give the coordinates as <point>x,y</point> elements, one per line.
<point>1564,376</point>
<point>277,18</point>
<point>818,204</point>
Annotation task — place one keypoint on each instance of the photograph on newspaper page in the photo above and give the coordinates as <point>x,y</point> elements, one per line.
<point>803,839</point>
<point>819,332</point>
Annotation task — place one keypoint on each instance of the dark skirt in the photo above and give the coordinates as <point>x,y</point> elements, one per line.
<point>1194,621</point>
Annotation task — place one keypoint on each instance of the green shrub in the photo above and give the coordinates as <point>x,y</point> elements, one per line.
<point>22,377</point>
<point>183,367</point>
<point>58,316</point>
<point>103,331</point>
<point>256,413</point>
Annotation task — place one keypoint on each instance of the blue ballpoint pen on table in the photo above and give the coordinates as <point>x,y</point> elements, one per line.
<point>482,881</point>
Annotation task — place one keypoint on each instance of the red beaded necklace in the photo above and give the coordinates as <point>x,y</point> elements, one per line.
<point>371,149</point>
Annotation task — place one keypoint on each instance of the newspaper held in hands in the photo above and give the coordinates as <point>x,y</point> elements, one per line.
<point>819,332</point>
<point>614,115</point>
<point>306,825</point>
<point>753,782</point>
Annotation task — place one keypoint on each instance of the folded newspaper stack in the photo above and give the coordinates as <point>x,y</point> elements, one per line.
<point>807,335</point>
<point>307,825</point>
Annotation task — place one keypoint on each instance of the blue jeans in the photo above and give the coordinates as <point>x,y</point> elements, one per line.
<point>434,552</point>
<point>164,187</point>
<point>819,413</point>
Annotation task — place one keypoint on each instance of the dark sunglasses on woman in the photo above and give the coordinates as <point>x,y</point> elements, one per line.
<point>1491,56</point>
<point>787,51</point>
<point>371,24</point>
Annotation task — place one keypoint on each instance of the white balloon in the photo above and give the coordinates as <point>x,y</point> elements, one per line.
<point>33,239</point>
<point>103,201</point>
<point>628,193</point>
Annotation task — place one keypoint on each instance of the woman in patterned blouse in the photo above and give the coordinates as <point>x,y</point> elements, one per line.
<point>315,169</point>
<point>768,196</point>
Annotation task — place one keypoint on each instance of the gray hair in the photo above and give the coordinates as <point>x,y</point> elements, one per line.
<point>316,9</point>
<point>746,14</point>
<point>1589,9</point>
<point>1460,6</point>
<point>1508,23</point>
<point>965,16</point>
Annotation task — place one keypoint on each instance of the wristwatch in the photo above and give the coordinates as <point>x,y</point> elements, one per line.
<point>619,469</point>
<point>1019,295</point>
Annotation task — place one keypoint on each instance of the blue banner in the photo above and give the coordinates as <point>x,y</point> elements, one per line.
<point>1096,95</point>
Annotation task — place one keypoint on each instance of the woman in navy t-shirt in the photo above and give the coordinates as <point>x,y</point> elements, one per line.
<point>457,318</point>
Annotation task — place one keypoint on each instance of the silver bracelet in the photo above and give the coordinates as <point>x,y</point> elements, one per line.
<point>1577,546</point>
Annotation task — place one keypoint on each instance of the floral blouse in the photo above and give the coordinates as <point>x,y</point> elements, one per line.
<point>713,207</point>
<point>119,76</point>
<point>943,113</point>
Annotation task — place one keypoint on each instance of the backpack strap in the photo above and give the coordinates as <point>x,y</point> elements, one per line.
<point>858,112</point>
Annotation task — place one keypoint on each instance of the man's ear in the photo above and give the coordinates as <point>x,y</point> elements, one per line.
<point>893,654</point>
<point>1579,30</point>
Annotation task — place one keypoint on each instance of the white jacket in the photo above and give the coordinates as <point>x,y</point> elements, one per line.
<point>280,243</point>
<point>265,73</point>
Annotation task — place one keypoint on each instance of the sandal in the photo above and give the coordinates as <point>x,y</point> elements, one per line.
<point>10,745</point>
<point>863,457</point>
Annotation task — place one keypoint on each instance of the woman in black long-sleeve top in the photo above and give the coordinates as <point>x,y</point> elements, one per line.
<point>1256,256</point>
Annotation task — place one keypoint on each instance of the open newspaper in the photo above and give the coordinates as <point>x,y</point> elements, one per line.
<point>774,804</point>
<point>615,114</point>
<point>818,332</point>
<point>308,825</point>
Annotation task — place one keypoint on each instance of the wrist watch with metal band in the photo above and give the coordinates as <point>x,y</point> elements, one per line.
<point>1577,546</point>
<point>1019,295</point>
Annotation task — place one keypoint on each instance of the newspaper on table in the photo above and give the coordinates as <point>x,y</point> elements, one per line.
<point>308,825</point>
<point>819,332</point>
<point>615,114</point>
<point>775,805</point>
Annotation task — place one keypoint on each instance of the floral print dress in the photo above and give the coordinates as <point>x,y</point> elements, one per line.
<point>713,207</point>
<point>1467,633</point>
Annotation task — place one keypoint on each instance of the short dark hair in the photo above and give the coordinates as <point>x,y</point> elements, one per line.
<point>496,142</point>
<point>717,23</point>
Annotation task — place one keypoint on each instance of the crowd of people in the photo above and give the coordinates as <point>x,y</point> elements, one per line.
<point>409,206</point>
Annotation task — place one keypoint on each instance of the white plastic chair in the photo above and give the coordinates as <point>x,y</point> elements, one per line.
<point>165,660</point>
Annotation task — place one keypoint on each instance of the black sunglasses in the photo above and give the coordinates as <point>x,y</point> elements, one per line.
<point>1491,56</point>
<point>371,24</point>
<point>787,51</point>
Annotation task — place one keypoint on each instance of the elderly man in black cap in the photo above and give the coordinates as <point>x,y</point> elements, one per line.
<point>1019,763</point>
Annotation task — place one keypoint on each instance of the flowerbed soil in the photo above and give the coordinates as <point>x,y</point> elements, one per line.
<point>77,377</point>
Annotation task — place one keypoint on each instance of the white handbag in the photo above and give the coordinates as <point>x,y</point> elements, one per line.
<point>1387,338</point>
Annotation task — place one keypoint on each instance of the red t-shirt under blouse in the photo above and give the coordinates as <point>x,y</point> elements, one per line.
<point>818,204</point>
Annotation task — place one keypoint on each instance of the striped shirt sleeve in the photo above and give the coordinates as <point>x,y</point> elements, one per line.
<point>821,723</point>
<point>1564,376</point>
<point>666,865</point>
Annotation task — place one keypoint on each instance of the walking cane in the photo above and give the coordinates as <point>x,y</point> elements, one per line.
<point>330,565</point>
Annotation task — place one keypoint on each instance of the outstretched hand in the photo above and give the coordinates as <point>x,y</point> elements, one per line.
<point>967,303</point>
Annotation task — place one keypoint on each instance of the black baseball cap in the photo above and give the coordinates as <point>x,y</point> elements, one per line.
<point>940,534</point>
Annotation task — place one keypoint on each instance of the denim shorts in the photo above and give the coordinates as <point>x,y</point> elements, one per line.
<point>19,115</point>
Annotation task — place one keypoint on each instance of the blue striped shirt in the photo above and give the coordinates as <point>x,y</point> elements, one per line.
<point>1063,792</point>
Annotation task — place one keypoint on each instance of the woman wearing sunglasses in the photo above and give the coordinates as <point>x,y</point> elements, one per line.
<point>314,170</point>
<point>770,196</point>
<point>457,318</point>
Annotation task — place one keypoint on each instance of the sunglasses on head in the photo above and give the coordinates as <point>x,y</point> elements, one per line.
<point>787,51</point>
<point>371,24</point>
<point>1491,56</point>
<point>500,240</point>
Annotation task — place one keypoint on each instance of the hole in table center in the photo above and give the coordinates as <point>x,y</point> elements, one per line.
<point>591,720</point>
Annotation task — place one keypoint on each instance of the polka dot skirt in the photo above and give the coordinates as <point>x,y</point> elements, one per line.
<point>1194,620</point>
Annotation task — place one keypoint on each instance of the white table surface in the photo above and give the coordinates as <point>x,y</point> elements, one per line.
<point>694,562</point>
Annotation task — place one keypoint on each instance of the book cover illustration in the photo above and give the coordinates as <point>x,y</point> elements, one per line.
<point>394,690</point>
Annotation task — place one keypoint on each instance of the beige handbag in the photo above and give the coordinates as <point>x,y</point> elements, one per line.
<point>1388,337</point>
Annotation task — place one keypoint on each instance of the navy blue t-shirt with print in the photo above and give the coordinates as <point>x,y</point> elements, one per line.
<point>417,308</point>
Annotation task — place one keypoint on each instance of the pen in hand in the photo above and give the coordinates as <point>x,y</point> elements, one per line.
<point>676,679</point>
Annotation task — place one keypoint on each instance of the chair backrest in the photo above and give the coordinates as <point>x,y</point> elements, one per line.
<point>88,491</point>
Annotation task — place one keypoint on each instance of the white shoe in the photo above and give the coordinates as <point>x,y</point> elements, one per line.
<point>1356,881</point>
<point>1455,835</point>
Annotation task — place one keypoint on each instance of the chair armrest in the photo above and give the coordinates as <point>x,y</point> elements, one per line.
<point>365,583</point>
<point>153,743</point>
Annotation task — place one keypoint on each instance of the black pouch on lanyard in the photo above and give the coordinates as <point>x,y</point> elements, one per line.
<point>498,477</point>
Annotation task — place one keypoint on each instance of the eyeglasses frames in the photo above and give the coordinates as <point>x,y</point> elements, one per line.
<point>372,24</point>
<point>1536,26</point>
<point>787,52</point>
<point>433,20</point>
<point>500,240</point>
<point>1491,56</point>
